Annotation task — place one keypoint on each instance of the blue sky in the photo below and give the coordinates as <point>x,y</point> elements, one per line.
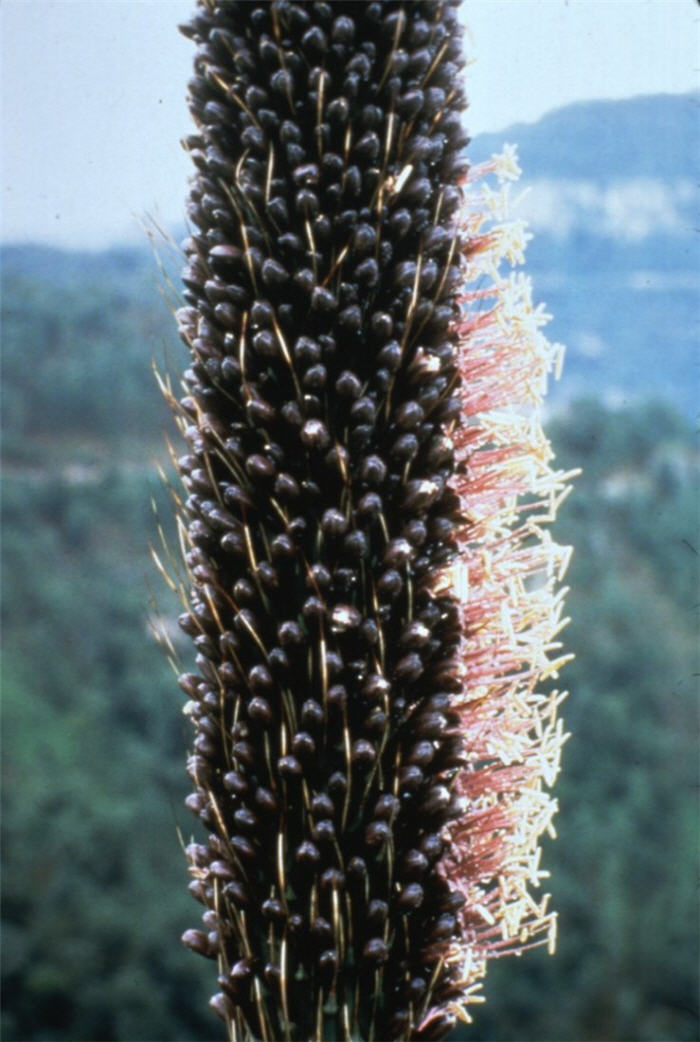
<point>93,95</point>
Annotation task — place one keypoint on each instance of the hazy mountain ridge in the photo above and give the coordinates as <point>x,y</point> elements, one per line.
<point>607,140</point>
<point>616,250</point>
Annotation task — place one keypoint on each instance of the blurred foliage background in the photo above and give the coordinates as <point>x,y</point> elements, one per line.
<point>94,880</point>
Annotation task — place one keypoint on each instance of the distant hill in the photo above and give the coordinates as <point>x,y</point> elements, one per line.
<point>651,136</point>
<point>611,195</point>
<point>80,331</point>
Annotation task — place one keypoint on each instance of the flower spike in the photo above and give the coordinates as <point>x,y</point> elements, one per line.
<point>373,595</point>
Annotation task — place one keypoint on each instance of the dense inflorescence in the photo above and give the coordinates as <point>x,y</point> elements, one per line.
<point>372,826</point>
<point>320,296</point>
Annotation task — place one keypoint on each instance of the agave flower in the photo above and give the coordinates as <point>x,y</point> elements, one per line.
<point>372,591</point>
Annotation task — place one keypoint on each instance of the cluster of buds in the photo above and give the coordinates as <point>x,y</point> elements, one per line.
<point>368,741</point>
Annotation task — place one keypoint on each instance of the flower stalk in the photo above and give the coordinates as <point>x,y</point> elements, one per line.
<point>372,591</point>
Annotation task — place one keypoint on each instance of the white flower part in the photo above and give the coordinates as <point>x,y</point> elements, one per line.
<point>506,584</point>
<point>506,166</point>
<point>496,204</point>
<point>513,238</point>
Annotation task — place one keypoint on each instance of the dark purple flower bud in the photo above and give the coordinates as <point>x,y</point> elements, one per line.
<point>409,668</point>
<point>289,767</point>
<point>377,834</point>
<point>314,435</point>
<point>386,807</point>
<point>357,868</point>
<point>245,819</point>
<point>312,714</point>
<point>244,848</point>
<point>222,870</point>
<point>322,806</point>
<point>363,752</point>
<point>266,801</point>
<point>430,725</point>
<point>376,952</point>
<point>410,896</point>
<point>290,633</point>
<point>273,910</point>
<point>410,778</point>
<point>377,912</point>
<point>260,711</point>
<point>198,942</point>
<point>222,1005</point>
<point>235,782</point>
<point>307,854</point>
<point>338,110</point>
<point>324,831</point>
<point>332,879</point>
<point>373,470</point>
<point>333,523</point>
<point>244,752</point>
<point>337,785</point>
<point>303,745</point>
<point>196,802</point>
<point>432,846</point>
